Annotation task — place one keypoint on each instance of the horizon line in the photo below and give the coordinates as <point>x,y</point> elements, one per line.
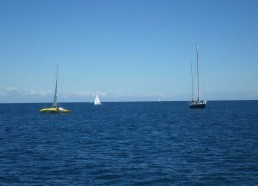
<point>124,101</point>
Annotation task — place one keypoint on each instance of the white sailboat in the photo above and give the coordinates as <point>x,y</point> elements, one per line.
<point>197,103</point>
<point>97,101</point>
<point>55,107</point>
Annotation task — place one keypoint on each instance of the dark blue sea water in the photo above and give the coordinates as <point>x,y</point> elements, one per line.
<point>142,143</point>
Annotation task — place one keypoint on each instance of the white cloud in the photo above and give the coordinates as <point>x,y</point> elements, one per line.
<point>146,95</point>
<point>14,94</point>
<point>3,94</point>
<point>11,89</point>
<point>253,94</point>
<point>40,93</point>
<point>87,93</point>
<point>82,93</point>
<point>17,91</point>
<point>18,95</point>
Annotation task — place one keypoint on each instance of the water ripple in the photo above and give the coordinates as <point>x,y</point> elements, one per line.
<point>162,143</point>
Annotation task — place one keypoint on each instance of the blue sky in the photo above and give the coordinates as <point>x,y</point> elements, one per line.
<point>137,50</point>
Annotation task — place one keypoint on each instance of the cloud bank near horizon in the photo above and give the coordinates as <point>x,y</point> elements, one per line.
<point>16,95</point>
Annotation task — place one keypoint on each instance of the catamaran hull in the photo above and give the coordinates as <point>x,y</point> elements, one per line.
<point>54,110</point>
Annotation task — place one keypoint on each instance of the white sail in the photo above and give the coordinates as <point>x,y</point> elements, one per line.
<point>97,101</point>
<point>55,95</point>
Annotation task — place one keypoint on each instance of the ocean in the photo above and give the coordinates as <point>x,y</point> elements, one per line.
<point>130,143</point>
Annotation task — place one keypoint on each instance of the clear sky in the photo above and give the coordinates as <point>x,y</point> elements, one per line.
<point>127,50</point>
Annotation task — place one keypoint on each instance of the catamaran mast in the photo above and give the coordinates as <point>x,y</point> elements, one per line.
<point>55,96</point>
<point>197,70</point>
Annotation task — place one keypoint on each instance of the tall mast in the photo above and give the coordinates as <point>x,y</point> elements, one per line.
<point>192,78</point>
<point>55,96</point>
<point>197,70</point>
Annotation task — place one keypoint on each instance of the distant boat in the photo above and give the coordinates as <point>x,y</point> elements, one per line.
<point>197,103</point>
<point>55,107</point>
<point>97,101</point>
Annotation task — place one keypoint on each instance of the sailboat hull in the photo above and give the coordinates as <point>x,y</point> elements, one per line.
<point>97,103</point>
<point>54,110</point>
<point>197,105</point>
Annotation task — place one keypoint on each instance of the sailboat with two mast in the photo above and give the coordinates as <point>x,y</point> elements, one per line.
<point>55,107</point>
<point>197,103</point>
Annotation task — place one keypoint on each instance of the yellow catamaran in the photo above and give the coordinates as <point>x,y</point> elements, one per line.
<point>55,107</point>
